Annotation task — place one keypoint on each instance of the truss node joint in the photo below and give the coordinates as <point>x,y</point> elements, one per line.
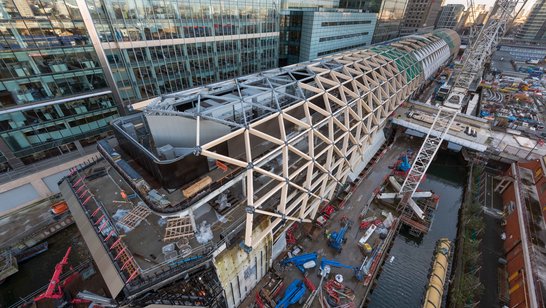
<point>245,248</point>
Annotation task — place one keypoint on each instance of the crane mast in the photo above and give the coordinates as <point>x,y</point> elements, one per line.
<point>465,79</point>
<point>468,77</point>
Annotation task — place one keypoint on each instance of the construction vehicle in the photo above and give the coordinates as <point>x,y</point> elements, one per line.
<point>325,215</point>
<point>358,273</point>
<point>337,239</point>
<point>59,208</point>
<point>54,291</point>
<point>404,165</point>
<point>293,294</point>
<point>302,262</point>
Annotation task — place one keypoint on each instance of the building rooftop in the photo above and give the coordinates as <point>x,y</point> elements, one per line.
<point>141,238</point>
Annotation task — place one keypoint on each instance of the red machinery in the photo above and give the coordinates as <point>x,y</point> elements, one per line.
<point>54,289</point>
<point>325,215</point>
<point>290,237</point>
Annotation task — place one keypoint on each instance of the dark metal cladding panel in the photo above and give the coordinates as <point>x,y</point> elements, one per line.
<point>106,147</point>
<point>128,170</point>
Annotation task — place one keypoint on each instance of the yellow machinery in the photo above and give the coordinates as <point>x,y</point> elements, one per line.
<point>438,275</point>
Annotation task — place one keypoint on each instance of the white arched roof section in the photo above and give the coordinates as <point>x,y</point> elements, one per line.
<point>433,56</point>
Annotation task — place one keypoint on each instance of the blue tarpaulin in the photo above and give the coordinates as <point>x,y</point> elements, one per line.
<point>404,164</point>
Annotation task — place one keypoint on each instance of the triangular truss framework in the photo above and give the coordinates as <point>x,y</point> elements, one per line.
<point>321,118</point>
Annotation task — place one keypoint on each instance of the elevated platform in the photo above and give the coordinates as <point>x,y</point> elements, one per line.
<point>139,253</point>
<point>458,134</point>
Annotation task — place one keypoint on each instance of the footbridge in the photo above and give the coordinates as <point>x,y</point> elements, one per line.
<point>470,132</point>
<point>467,131</point>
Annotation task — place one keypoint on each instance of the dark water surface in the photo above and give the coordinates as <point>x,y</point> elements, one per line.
<point>36,272</point>
<point>402,282</point>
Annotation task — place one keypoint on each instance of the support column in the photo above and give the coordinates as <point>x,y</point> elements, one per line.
<point>97,44</point>
<point>41,188</point>
<point>13,161</point>
<point>79,147</point>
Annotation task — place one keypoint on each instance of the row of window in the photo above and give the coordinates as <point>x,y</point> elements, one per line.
<point>340,37</point>
<point>34,89</point>
<point>146,72</point>
<point>327,52</point>
<point>15,65</point>
<point>40,116</point>
<point>345,23</point>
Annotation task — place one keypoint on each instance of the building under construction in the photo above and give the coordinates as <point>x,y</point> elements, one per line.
<point>190,204</point>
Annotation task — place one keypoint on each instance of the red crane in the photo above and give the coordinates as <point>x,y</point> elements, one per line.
<point>54,290</point>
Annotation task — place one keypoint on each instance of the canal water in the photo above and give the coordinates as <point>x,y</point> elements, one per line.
<point>36,272</point>
<point>402,282</point>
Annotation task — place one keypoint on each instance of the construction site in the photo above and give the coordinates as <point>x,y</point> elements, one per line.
<point>267,168</point>
<point>289,187</point>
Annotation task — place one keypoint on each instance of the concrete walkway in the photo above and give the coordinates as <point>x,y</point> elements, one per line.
<point>29,189</point>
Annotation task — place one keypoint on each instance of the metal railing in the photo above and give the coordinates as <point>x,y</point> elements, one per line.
<point>161,272</point>
<point>45,164</point>
<point>527,226</point>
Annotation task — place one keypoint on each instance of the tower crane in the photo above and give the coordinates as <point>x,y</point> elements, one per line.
<point>465,79</point>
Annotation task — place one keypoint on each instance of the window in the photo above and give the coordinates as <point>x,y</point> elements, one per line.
<point>345,23</point>
<point>339,49</point>
<point>340,37</point>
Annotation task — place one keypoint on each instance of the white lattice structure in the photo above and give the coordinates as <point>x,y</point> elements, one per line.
<point>298,131</point>
<point>474,58</point>
<point>436,134</point>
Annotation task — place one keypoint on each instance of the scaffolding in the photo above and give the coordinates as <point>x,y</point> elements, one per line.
<point>177,228</point>
<point>135,216</point>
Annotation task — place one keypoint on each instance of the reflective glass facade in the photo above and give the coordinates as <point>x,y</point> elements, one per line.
<point>295,4</point>
<point>389,20</point>
<point>420,16</point>
<point>450,15</point>
<point>390,15</point>
<point>307,34</point>
<point>52,88</point>
<point>534,28</point>
<point>159,47</point>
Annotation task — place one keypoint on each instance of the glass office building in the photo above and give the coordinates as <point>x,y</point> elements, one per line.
<point>310,33</point>
<point>390,15</point>
<point>534,28</point>
<point>54,97</point>
<point>155,47</point>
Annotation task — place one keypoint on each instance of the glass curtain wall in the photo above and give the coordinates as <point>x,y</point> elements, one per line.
<point>157,47</point>
<point>47,66</point>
